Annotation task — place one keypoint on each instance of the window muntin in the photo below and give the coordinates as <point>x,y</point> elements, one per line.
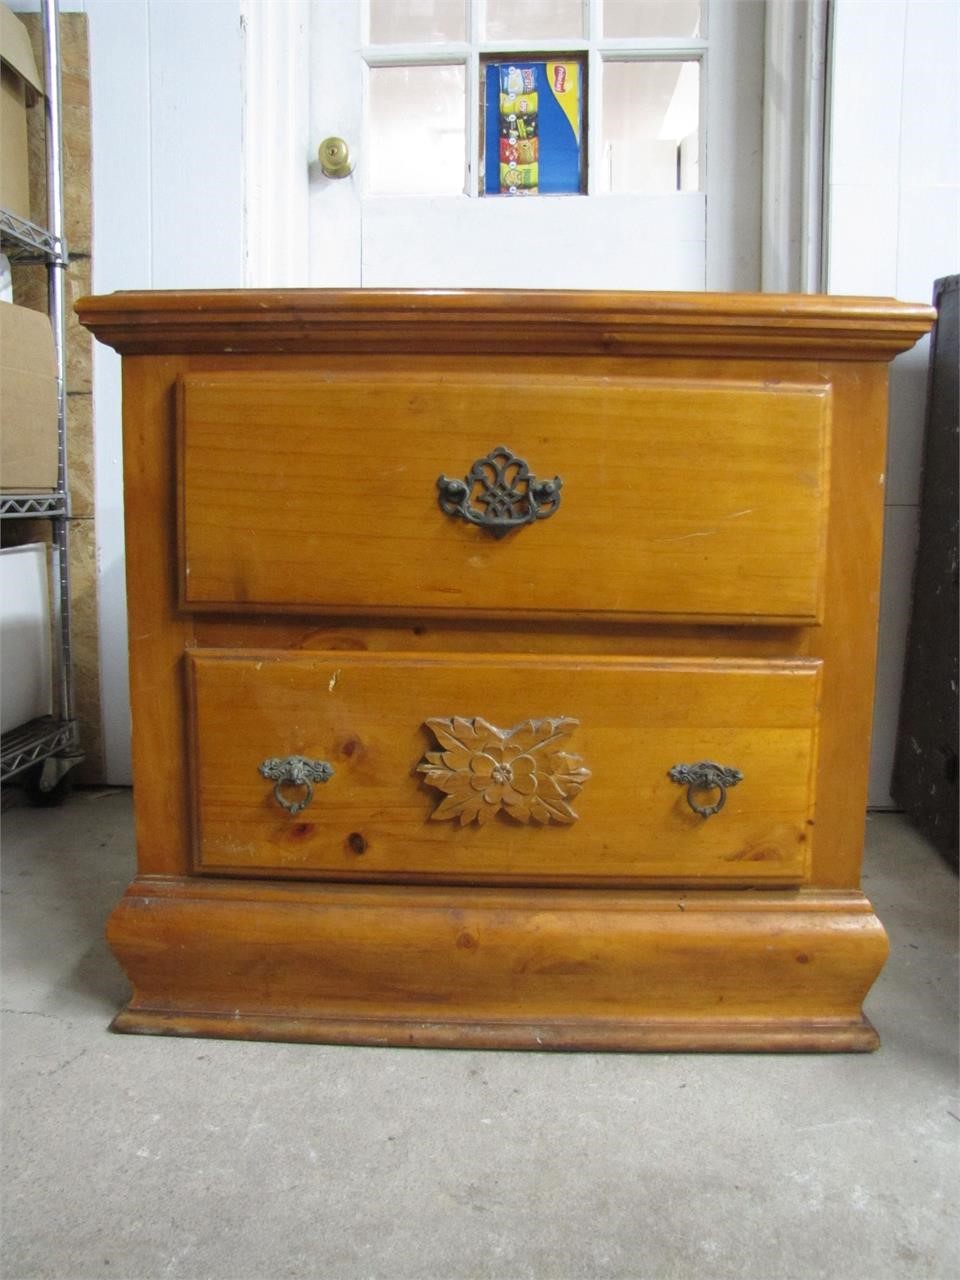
<point>642,92</point>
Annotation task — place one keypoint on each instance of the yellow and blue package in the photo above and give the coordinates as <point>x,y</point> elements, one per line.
<point>533,128</point>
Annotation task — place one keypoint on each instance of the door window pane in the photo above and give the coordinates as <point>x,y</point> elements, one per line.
<point>534,19</point>
<point>533,127</point>
<point>416,130</point>
<point>651,116</point>
<point>404,21</point>
<point>650,18</point>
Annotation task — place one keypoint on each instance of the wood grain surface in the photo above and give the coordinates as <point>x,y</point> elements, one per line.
<point>703,499</point>
<point>366,714</point>
<point>459,967</point>
<point>496,322</point>
<point>236,925</point>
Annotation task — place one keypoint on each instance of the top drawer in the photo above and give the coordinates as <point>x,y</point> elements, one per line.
<point>697,500</point>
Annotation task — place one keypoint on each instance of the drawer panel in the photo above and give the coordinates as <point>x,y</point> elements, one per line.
<point>493,769</point>
<point>695,500</point>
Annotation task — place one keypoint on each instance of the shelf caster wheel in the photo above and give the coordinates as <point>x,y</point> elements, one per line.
<point>49,783</point>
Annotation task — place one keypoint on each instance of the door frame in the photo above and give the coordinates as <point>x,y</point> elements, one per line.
<point>279,156</point>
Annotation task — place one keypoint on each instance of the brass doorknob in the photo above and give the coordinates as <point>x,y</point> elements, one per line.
<point>335,158</point>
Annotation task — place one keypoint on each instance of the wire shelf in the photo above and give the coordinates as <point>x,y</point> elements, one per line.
<point>48,505</point>
<point>24,241</point>
<point>37,741</point>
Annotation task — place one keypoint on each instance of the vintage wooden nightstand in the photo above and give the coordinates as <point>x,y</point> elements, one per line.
<point>502,664</point>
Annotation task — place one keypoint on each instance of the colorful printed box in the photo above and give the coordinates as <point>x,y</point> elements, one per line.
<point>533,128</point>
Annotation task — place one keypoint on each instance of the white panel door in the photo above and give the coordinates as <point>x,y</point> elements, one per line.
<point>672,136</point>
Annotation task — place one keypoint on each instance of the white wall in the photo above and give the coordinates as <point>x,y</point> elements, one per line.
<point>166,119</point>
<point>168,214</point>
<point>893,228</point>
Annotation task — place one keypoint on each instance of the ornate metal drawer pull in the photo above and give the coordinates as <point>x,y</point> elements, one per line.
<point>508,495</point>
<point>706,776</point>
<point>523,772</point>
<point>295,771</point>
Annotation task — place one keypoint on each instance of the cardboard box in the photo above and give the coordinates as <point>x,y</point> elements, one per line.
<point>28,401</point>
<point>20,86</point>
<point>26,672</point>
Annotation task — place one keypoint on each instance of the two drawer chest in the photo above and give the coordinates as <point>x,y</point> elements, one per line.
<point>502,664</point>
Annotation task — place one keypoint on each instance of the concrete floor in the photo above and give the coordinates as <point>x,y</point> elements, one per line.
<point>133,1158</point>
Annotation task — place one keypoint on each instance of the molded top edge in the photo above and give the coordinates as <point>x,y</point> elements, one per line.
<point>487,320</point>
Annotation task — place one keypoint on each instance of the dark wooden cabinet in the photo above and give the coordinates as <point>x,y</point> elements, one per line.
<point>925,765</point>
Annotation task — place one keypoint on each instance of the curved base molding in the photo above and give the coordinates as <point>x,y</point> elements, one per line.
<point>489,968</point>
<point>587,1036</point>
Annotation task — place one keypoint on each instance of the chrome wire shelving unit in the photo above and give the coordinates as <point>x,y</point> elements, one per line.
<point>42,752</point>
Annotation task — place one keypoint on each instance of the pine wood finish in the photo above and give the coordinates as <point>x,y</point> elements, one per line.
<point>685,498</point>
<point>524,773</point>
<point>517,969</point>
<point>706,590</point>
<point>629,723</point>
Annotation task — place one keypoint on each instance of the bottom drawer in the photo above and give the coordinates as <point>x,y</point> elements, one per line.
<point>502,768</point>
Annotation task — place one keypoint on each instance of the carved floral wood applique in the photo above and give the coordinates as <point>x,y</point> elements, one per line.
<point>522,772</point>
